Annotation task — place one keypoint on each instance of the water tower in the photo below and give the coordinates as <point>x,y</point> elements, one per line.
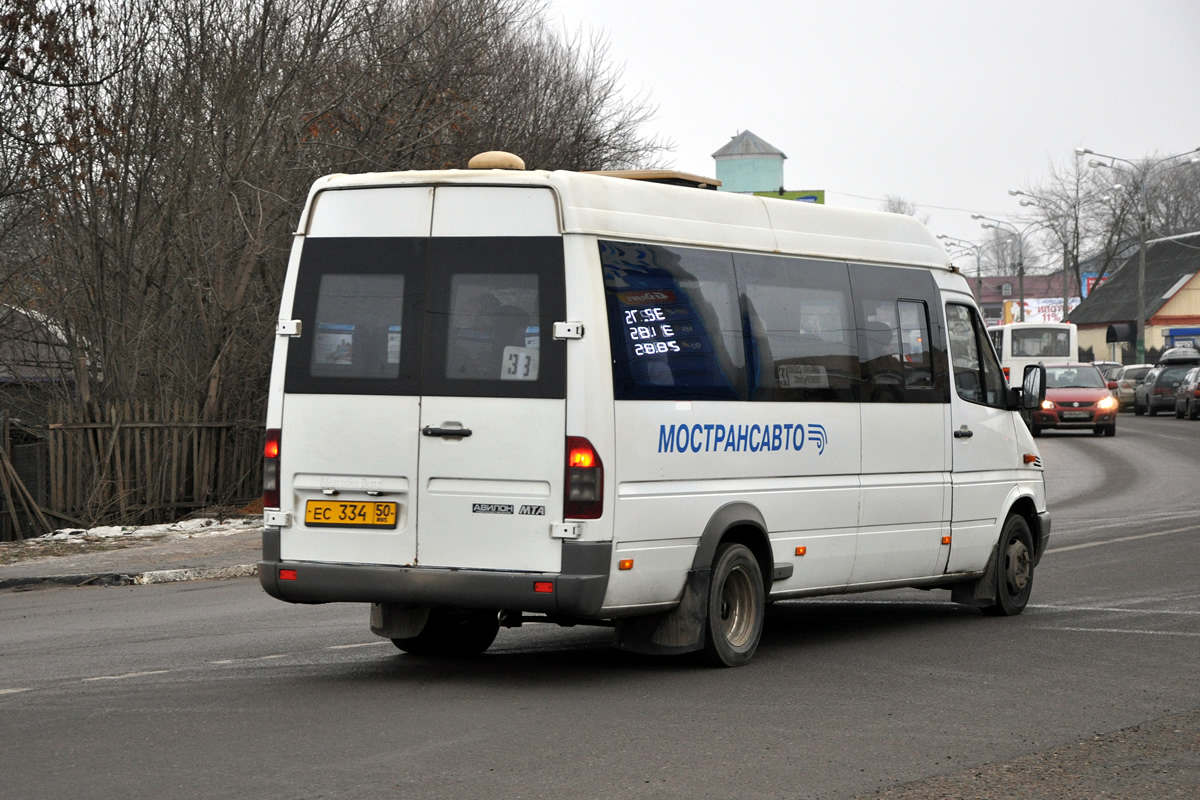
<point>749,164</point>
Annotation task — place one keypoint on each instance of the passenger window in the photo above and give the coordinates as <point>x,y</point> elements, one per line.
<point>901,361</point>
<point>977,374</point>
<point>360,327</point>
<point>493,327</point>
<point>800,328</point>
<point>673,322</point>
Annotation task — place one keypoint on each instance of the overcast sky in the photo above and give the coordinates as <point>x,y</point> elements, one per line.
<point>946,104</point>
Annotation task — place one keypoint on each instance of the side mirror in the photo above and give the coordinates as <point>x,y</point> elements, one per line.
<point>1033,386</point>
<point>1112,384</point>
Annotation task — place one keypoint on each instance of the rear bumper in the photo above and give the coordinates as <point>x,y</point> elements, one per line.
<point>577,591</point>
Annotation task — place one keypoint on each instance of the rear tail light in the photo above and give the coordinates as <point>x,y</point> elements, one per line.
<point>584,490</point>
<point>271,469</point>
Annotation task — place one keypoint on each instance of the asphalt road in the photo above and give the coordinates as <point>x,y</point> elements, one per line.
<point>212,689</point>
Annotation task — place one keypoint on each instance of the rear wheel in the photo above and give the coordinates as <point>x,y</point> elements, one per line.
<point>1014,568</point>
<point>453,633</point>
<point>736,607</point>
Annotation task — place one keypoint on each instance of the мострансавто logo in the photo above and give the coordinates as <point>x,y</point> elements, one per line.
<point>714,437</point>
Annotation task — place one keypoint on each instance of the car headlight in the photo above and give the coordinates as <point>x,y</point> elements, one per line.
<point>1048,405</point>
<point>1106,403</point>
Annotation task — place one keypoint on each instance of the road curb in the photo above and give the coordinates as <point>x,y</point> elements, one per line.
<point>134,579</point>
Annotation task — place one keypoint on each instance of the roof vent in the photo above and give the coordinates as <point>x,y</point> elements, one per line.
<point>496,159</point>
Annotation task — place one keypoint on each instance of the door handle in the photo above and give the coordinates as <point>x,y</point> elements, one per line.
<point>429,430</point>
<point>963,433</point>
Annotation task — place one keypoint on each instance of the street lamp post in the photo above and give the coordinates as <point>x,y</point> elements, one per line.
<point>997,223</point>
<point>1141,173</point>
<point>1070,242</point>
<point>973,248</point>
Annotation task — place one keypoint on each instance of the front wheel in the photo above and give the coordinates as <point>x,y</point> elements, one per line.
<point>736,607</point>
<point>1152,409</point>
<point>1014,569</point>
<point>1138,408</point>
<point>1110,430</point>
<point>1192,411</point>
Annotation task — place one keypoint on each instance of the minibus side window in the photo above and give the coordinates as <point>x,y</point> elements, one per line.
<point>977,374</point>
<point>902,362</point>
<point>673,320</point>
<point>800,329</point>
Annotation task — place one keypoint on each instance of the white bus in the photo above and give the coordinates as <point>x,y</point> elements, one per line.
<point>1022,343</point>
<point>502,396</point>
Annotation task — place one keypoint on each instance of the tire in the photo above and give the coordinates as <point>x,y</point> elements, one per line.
<point>1099,429</point>
<point>1110,430</point>
<point>453,633</point>
<point>736,607</point>
<point>1036,430</point>
<point>1153,411</point>
<point>1138,408</point>
<point>1192,411</point>
<point>1014,569</point>
<point>1178,412</point>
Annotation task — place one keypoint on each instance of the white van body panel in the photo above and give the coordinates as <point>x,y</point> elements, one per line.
<point>851,495</point>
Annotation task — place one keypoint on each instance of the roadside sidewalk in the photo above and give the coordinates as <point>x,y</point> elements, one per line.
<point>195,549</point>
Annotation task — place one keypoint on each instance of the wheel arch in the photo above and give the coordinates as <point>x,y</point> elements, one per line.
<point>744,524</point>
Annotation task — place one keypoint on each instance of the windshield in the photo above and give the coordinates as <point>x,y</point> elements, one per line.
<point>1086,377</point>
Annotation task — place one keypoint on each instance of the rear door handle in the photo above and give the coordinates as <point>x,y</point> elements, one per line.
<point>963,433</point>
<point>429,430</point>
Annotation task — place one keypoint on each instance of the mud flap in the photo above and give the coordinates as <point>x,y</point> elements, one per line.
<point>392,621</point>
<point>680,630</point>
<point>980,592</point>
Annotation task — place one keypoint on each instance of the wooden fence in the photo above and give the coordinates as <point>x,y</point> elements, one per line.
<point>133,463</point>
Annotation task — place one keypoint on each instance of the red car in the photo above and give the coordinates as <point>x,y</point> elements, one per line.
<point>1077,396</point>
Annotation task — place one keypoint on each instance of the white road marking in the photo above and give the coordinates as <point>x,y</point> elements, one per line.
<point>361,644</point>
<point>1115,630</point>
<point>127,675</point>
<point>1190,528</point>
<point>256,658</point>
<point>14,691</point>
<point>1105,609</point>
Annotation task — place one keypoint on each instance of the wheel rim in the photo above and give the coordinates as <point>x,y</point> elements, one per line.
<point>1018,567</point>
<point>737,603</point>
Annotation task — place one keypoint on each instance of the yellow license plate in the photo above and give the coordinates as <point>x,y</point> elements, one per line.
<point>339,513</point>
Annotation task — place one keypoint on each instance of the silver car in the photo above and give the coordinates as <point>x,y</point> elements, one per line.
<point>1127,378</point>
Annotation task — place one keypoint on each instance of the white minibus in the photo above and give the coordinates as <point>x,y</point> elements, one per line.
<point>503,396</point>
<point>1020,344</point>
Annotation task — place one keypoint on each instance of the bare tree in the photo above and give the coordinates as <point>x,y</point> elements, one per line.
<point>896,204</point>
<point>162,198</point>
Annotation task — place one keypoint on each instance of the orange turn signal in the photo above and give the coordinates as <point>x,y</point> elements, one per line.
<point>801,550</point>
<point>625,563</point>
<point>945,540</point>
<point>1030,458</point>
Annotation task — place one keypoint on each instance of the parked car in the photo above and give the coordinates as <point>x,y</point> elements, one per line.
<point>1077,396</point>
<point>1187,395</point>
<point>1156,392</point>
<point>1107,368</point>
<point>1127,378</point>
